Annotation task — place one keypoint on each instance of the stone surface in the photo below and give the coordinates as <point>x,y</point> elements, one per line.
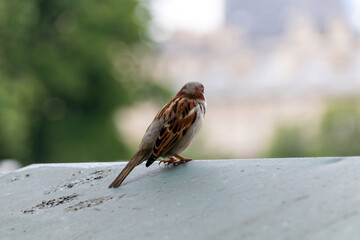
<point>311,198</point>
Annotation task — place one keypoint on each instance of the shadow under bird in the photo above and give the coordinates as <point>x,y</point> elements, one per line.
<point>173,129</point>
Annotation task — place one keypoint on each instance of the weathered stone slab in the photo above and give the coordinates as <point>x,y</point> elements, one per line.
<point>311,198</point>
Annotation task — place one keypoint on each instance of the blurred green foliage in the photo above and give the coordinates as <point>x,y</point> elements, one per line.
<point>289,142</point>
<point>65,67</point>
<point>338,135</point>
<point>340,129</point>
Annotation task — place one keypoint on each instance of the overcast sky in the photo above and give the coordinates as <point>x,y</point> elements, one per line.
<point>204,16</point>
<point>190,15</point>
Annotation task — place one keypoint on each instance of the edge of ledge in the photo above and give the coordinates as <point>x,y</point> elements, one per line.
<point>120,163</point>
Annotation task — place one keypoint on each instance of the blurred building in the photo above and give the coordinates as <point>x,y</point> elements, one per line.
<point>270,18</point>
<point>305,53</point>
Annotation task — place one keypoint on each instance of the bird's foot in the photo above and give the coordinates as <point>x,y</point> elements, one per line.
<point>182,159</point>
<point>175,161</point>
<point>172,160</point>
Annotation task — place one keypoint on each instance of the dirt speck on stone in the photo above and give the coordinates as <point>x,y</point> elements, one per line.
<point>77,173</point>
<point>16,178</point>
<point>51,203</point>
<point>88,203</point>
<point>79,180</point>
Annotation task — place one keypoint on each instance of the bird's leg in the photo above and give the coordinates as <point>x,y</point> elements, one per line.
<point>172,160</point>
<point>182,159</point>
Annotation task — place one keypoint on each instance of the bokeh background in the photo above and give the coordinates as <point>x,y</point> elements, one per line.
<point>81,80</point>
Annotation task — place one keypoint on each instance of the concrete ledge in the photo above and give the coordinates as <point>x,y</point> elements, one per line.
<point>311,198</point>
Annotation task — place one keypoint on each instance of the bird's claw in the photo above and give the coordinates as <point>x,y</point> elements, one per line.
<point>175,161</point>
<point>172,160</point>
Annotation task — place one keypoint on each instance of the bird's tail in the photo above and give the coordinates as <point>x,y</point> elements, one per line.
<point>138,158</point>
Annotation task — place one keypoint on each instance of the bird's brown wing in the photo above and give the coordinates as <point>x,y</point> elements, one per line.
<point>179,116</point>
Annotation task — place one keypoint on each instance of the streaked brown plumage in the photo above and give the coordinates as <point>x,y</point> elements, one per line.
<point>172,130</point>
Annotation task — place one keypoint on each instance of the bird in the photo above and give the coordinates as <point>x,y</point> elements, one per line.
<point>173,129</point>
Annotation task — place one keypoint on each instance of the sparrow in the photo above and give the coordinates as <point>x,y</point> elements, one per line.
<point>173,129</point>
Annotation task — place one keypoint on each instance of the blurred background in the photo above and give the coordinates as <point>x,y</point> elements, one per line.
<point>81,80</point>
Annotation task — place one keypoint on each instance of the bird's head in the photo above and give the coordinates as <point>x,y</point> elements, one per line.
<point>192,90</point>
